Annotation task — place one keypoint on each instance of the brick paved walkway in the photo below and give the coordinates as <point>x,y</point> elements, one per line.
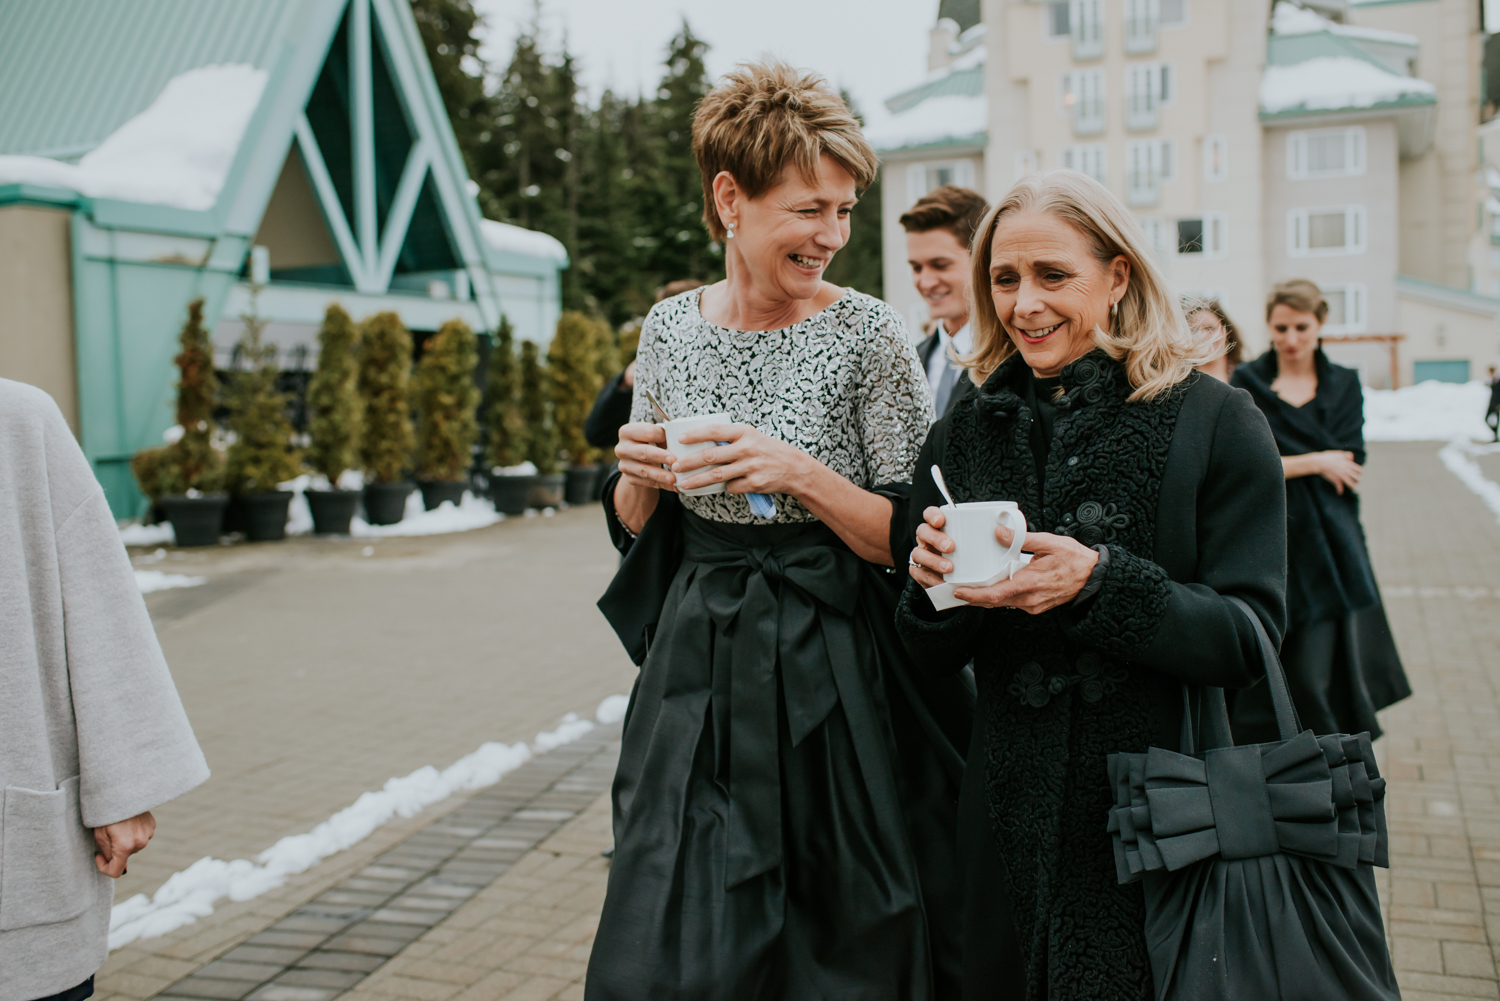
<point>526,935</point>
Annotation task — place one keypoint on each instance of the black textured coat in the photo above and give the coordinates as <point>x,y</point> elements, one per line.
<point>1186,492</point>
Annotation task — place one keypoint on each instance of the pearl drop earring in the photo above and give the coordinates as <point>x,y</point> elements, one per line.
<point>730,231</point>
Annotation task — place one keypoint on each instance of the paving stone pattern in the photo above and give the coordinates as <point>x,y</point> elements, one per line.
<point>335,941</point>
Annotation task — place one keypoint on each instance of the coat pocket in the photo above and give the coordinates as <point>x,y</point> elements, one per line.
<point>47,871</point>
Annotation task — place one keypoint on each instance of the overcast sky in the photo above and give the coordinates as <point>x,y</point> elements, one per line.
<point>871,47</point>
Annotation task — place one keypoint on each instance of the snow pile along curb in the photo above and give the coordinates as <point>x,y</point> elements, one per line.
<point>156,580</point>
<point>1458,456</point>
<point>192,893</point>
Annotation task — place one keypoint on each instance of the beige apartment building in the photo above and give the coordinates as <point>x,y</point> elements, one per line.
<point>1332,140</point>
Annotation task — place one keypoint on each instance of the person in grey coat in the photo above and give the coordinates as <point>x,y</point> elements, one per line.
<point>92,733</point>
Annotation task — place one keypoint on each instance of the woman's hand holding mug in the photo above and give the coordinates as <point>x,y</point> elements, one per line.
<point>641,457</point>
<point>744,460</point>
<point>1059,568</point>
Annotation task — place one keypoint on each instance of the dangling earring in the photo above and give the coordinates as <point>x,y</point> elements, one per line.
<point>730,231</point>
<point>1114,308</point>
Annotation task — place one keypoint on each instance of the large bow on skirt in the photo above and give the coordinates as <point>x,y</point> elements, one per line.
<point>1318,797</point>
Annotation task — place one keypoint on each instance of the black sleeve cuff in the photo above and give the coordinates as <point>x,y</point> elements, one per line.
<point>1128,608</point>
<point>940,642</point>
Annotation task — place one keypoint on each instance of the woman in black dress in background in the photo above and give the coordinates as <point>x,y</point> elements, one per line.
<point>1340,659</point>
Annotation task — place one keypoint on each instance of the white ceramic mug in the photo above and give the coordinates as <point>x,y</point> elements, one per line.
<point>977,555</point>
<point>676,428</point>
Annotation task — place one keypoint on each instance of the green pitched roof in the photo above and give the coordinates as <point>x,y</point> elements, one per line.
<point>72,71</point>
<point>968,82</point>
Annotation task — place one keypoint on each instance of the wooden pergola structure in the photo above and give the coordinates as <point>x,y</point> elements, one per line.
<point>1389,340</point>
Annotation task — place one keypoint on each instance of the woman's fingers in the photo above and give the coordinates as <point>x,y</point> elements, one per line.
<point>934,516</point>
<point>714,432</point>
<point>640,431</point>
<point>922,572</point>
<point>933,562</point>
<point>934,539</point>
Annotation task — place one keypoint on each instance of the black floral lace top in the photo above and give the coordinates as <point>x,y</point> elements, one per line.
<point>845,386</point>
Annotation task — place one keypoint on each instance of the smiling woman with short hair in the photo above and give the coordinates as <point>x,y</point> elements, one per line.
<point>784,806</point>
<point>1151,493</point>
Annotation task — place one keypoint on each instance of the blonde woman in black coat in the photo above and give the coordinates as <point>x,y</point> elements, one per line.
<point>1151,492</point>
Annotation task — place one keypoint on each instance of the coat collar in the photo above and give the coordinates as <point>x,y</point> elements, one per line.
<point>1094,378</point>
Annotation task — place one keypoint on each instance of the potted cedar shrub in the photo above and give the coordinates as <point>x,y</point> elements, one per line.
<point>334,417</point>
<point>446,399</point>
<point>541,433</point>
<point>511,477</point>
<point>262,454</point>
<point>385,448</point>
<point>572,362</point>
<point>185,478</point>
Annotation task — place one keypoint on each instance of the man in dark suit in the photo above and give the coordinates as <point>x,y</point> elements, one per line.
<point>939,229</point>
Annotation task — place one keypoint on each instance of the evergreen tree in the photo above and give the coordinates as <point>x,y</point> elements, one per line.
<point>333,404</point>
<point>858,264</point>
<point>384,377</point>
<point>191,462</point>
<point>609,272</point>
<point>262,454</point>
<point>446,400</point>
<point>507,433</point>
<point>447,28</point>
<point>573,367</point>
<point>540,432</point>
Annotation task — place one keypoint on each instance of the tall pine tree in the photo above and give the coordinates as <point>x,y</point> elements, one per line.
<point>447,28</point>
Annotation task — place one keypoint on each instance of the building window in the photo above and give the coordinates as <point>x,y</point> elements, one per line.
<point>1326,232</point>
<point>1346,308</point>
<point>1083,101</point>
<point>1025,163</point>
<point>1171,13</point>
<point>1325,153</point>
<point>1058,24</point>
<point>1140,25</point>
<point>1147,87</point>
<point>1148,164</point>
<point>924,177</point>
<point>1215,159</point>
<point>1086,158</point>
<point>1156,235</point>
<point>1086,18</point>
<point>1207,236</point>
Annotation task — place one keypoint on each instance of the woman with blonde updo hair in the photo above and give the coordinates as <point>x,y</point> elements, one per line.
<point>1152,494</point>
<point>784,808</point>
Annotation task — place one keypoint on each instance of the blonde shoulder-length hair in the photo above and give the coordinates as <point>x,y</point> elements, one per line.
<point>1149,333</point>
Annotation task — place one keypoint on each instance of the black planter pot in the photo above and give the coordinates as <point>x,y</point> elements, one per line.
<point>548,490</point>
<point>434,492</point>
<point>511,494</point>
<point>196,521</point>
<point>579,485</point>
<point>264,514</point>
<point>385,503</point>
<point>332,510</point>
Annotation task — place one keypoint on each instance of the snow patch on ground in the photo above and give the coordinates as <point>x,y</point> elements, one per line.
<point>135,534</point>
<point>156,580</point>
<point>1329,82</point>
<point>471,513</point>
<point>1428,411</point>
<point>1458,456</point>
<point>177,152</point>
<point>192,893</point>
<point>612,709</point>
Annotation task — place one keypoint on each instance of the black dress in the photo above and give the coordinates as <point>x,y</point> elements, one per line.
<point>786,799</point>
<point>1185,494</point>
<point>1340,659</point>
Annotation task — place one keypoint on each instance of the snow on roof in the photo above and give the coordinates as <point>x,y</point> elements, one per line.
<point>1328,83</point>
<point>1289,19</point>
<point>503,236</point>
<point>177,152</point>
<point>944,117</point>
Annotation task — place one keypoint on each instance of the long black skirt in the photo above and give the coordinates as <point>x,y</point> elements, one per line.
<point>784,812</point>
<point>1341,671</point>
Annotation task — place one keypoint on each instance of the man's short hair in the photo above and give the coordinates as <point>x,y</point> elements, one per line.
<point>958,210</point>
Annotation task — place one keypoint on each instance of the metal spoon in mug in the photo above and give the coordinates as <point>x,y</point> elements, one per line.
<point>761,505</point>
<point>659,408</point>
<point>937,477</point>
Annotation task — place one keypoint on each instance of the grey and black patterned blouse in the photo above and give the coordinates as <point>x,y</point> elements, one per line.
<point>845,386</point>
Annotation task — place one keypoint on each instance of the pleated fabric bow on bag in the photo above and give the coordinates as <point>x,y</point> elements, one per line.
<point>1255,860</point>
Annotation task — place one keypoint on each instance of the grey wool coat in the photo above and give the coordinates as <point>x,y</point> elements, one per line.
<point>91,729</point>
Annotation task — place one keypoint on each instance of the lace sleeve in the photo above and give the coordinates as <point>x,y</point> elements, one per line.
<point>647,369</point>
<point>895,410</point>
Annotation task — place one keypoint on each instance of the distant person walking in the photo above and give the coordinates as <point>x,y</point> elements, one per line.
<point>1340,659</point>
<point>601,428</point>
<point>1492,412</point>
<point>92,734</point>
<point>1213,326</point>
<point>939,229</point>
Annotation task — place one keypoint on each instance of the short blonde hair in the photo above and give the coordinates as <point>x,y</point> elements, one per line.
<point>765,117</point>
<point>1149,334</point>
<point>1301,295</point>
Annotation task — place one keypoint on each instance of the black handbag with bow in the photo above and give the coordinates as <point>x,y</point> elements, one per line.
<point>1255,860</point>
